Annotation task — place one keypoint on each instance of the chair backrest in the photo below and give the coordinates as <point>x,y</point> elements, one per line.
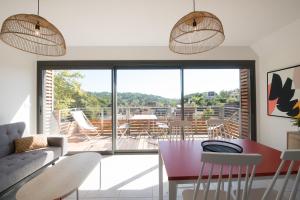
<point>287,155</point>
<point>178,125</point>
<point>214,122</point>
<point>181,123</point>
<point>215,127</point>
<point>81,119</point>
<point>228,165</point>
<point>123,126</point>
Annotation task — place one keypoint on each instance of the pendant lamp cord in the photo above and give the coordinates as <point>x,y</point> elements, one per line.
<point>38,12</point>
<point>194,20</point>
<point>194,5</point>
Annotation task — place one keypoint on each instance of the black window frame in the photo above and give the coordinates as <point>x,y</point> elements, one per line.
<point>114,65</point>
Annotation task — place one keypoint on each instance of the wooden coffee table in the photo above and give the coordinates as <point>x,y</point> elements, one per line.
<point>61,179</point>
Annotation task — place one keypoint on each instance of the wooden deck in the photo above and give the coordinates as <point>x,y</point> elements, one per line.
<point>141,135</point>
<point>79,142</point>
<point>137,126</point>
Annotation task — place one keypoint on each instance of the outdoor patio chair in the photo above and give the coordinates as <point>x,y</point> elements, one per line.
<point>215,128</point>
<point>122,129</point>
<point>84,123</point>
<point>176,127</point>
<point>163,128</point>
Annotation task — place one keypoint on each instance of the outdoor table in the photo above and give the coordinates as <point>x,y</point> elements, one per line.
<point>144,118</point>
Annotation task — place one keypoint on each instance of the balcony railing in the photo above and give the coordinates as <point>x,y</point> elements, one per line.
<point>101,118</point>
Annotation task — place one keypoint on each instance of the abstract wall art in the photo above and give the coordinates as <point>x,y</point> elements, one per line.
<point>284,92</point>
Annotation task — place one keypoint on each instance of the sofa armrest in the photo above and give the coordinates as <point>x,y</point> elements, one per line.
<point>58,141</point>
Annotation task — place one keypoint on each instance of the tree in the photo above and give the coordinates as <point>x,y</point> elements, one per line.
<point>68,93</point>
<point>66,89</point>
<point>224,94</point>
<point>198,100</point>
<point>207,113</point>
<point>231,100</point>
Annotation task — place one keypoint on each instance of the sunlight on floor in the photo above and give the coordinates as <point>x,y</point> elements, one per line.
<point>123,177</point>
<point>124,172</point>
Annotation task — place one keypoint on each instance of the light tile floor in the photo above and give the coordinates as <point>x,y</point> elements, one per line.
<point>124,177</point>
<point>131,177</point>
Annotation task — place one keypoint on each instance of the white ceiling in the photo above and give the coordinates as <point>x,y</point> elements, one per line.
<point>149,22</point>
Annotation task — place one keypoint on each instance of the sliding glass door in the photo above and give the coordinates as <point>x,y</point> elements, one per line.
<point>146,99</point>
<point>214,98</point>
<point>110,107</point>
<point>78,105</point>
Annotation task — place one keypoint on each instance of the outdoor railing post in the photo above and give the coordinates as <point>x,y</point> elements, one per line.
<point>102,120</point>
<point>222,112</point>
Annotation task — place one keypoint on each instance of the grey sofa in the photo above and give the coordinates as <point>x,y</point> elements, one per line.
<point>16,166</point>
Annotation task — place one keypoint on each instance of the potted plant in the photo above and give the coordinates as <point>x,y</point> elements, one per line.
<point>296,122</point>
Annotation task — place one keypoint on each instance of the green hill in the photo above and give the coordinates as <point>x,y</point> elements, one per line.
<point>137,99</point>
<point>69,94</point>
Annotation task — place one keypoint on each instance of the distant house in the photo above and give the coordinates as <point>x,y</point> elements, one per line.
<point>209,95</point>
<point>161,111</point>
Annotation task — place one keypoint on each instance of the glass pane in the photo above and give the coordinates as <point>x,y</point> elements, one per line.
<point>81,108</point>
<point>145,101</point>
<point>212,103</point>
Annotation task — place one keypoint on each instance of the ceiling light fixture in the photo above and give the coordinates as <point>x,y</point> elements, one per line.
<point>32,33</point>
<point>196,32</point>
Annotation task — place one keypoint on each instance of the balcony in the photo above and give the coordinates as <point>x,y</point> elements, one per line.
<point>140,128</point>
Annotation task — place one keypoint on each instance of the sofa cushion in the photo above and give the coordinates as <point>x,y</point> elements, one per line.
<point>15,167</point>
<point>8,133</point>
<point>30,143</point>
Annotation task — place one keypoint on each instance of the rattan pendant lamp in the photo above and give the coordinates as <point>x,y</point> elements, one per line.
<point>196,32</point>
<point>32,33</point>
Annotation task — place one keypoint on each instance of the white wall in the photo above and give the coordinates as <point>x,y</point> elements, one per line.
<point>17,87</point>
<point>279,50</point>
<point>151,53</point>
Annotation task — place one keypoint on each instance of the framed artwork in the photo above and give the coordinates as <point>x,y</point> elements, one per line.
<point>284,92</point>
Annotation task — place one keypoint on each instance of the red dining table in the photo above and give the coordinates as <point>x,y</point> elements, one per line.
<point>182,161</point>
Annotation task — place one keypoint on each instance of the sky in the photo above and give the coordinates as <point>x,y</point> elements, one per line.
<point>165,83</point>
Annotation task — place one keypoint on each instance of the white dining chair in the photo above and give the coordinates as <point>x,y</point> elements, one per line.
<point>288,156</point>
<point>231,165</point>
